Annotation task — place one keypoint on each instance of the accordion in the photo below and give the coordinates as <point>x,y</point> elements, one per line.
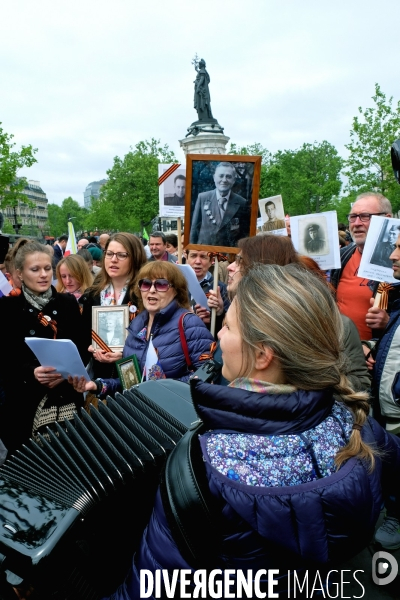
<point>74,504</point>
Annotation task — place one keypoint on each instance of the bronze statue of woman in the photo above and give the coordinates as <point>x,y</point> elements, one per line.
<point>202,100</point>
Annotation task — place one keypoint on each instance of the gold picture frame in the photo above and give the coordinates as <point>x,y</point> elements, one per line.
<point>209,226</point>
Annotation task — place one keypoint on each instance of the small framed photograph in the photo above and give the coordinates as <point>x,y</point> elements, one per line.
<point>221,202</point>
<point>128,371</point>
<point>172,191</point>
<point>379,245</point>
<point>110,323</point>
<point>272,218</point>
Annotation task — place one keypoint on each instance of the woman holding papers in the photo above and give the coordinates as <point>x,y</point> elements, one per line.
<point>124,256</point>
<point>166,337</point>
<point>36,395</point>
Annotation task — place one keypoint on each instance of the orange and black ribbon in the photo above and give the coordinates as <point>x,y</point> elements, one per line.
<point>101,343</point>
<point>208,355</point>
<point>383,289</point>
<point>46,321</point>
<point>168,172</point>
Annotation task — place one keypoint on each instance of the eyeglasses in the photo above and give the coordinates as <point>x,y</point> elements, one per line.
<point>119,255</point>
<point>160,285</point>
<point>238,259</point>
<point>364,217</point>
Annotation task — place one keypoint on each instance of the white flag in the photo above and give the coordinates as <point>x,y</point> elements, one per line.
<point>152,368</point>
<point>71,244</point>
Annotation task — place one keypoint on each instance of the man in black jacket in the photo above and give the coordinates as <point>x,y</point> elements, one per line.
<point>59,248</point>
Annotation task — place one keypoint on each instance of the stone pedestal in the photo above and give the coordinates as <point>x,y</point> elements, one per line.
<point>207,141</point>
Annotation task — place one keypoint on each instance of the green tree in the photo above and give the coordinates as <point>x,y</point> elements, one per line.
<point>257,149</point>
<point>308,178</point>
<point>11,161</point>
<point>58,216</point>
<point>369,166</point>
<point>129,199</point>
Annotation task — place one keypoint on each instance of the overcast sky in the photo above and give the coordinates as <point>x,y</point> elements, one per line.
<point>83,80</point>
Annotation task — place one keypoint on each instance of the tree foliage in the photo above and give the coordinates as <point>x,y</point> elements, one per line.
<point>308,178</point>
<point>59,215</point>
<point>369,166</point>
<point>129,199</point>
<point>11,161</point>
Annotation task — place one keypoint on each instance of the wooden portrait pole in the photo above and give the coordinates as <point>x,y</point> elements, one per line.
<point>215,288</point>
<point>180,240</point>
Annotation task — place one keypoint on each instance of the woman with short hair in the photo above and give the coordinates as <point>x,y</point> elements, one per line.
<point>165,313</point>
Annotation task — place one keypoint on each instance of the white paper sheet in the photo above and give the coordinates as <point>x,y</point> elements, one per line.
<point>63,355</point>
<point>195,288</point>
<point>5,287</point>
<point>323,246</point>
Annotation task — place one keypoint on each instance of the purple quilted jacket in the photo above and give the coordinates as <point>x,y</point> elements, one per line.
<point>314,525</point>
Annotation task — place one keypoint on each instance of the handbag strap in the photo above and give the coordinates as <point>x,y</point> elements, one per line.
<point>183,340</point>
<point>190,508</point>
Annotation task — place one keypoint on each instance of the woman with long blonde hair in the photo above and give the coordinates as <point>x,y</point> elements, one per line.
<point>292,459</point>
<point>73,275</point>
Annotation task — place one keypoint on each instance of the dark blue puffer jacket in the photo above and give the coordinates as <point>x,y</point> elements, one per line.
<point>315,525</point>
<point>167,342</point>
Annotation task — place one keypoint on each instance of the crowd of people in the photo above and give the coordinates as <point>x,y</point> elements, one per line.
<point>301,437</point>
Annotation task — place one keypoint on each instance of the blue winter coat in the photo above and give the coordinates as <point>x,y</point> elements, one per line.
<point>386,376</point>
<point>309,526</point>
<point>167,342</point>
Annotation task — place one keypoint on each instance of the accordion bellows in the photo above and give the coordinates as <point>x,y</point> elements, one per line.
<point>74,505</point>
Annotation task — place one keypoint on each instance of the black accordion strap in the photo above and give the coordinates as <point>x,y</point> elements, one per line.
<point>191,510</point>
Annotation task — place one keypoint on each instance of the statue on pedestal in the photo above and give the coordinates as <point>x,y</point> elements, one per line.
<point>202,99</point>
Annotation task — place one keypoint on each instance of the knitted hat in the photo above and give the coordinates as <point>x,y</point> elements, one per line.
<point>96,253</point>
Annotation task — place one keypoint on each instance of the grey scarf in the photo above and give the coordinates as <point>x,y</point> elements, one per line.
<point>39,301</point>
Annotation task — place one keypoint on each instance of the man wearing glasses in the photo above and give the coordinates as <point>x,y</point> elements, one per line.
<point>352,292</point>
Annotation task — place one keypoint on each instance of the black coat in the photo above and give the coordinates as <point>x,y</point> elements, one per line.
<point>23,393</point>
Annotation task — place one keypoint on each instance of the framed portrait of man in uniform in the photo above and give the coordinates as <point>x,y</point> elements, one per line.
<point>221,202</point>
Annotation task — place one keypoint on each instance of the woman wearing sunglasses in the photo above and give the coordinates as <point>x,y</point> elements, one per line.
<point>163,298</point>
<point>114,285</point>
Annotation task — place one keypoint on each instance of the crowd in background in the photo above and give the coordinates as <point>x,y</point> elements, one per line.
<point>282,337</point>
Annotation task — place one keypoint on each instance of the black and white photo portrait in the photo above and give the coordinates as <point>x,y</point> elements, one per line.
<point>178,197</point>
<point>111,329</point>
<point>221,207</point>
<point>315,241</point>
<point>385,245</point>
<point>172,190</point>
<point>272,214</point>
<point>316,235</point>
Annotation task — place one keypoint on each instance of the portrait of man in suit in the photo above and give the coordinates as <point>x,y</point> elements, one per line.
<point>111,329</point>
<point>178,199</point>
<point>220,217</point>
